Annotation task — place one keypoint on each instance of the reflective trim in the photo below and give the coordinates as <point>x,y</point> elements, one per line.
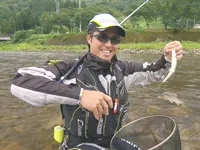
<point>40,99</point>
<point>146,64</point>
<point>71,81</point>
<point>144,78</point>
<point>91,145</point>
<point>106,82</point>
<point>37,72</point>
<point>103,82</point>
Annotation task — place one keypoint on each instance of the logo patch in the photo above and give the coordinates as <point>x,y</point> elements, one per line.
<point>79,69</point>
<point>80,126</point>
<point>100,126</point>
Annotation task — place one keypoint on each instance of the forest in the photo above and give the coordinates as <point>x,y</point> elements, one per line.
<point>64,16</point>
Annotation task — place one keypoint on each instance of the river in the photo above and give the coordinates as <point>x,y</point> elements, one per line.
<point>27,127</point>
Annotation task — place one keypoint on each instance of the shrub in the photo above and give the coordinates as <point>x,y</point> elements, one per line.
<point>20,36</point>
<point>30,32</point>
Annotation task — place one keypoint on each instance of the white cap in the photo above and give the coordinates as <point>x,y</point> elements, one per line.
<point>103,21</point>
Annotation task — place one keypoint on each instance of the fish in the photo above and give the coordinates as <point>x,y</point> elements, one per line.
<point>173,66</point>
<point>172,97</point>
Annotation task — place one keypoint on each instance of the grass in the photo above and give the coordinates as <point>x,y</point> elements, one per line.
<point>191,45</point>
<point>188,45</point>
<point>152,45</point>
<point>41,42</point>
<point>8,46</point>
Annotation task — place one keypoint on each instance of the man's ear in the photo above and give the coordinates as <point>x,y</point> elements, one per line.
<point>89,39</point>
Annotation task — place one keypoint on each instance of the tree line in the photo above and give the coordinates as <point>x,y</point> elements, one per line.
<point>63,16</point>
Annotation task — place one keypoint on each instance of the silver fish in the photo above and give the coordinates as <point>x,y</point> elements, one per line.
<point>172,97</point>
<point>173,66</point>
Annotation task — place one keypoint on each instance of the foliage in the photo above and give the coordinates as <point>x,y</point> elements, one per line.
<point>188,45</point>
<point>41,16</point>
<point>20,36</point>
<point>39,39</point>
<point>30,32</point>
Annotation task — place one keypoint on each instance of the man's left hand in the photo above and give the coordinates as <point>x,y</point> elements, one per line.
<point>176,45</point>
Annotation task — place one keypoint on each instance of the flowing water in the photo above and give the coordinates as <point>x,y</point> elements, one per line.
<point>27,127</point>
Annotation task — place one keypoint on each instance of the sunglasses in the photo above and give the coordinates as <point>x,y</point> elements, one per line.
<point>104,38</point>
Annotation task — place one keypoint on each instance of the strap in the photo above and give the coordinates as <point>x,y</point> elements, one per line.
<point>72,69</point>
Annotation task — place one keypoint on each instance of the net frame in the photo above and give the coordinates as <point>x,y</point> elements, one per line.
<point>175,128</point>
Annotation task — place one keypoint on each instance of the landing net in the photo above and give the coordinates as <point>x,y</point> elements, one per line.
<point>156,132</point>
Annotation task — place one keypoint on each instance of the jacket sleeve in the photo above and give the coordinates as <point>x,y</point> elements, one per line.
<point>38,85</point>
<point>144,73</point>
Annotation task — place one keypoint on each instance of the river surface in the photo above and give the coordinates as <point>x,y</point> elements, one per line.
<point>27,127</point>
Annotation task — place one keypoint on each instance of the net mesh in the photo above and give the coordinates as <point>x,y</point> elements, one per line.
<point>149,133</point>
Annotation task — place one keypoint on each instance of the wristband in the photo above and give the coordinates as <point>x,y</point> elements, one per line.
<point>81,93</point>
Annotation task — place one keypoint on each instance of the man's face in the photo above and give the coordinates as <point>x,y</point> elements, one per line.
<point>104,44</point>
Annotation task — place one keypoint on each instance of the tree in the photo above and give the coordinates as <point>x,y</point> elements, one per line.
<point>19,36</point>
<point>19,21</point>
<point>11,25</point>
<point>4,25</point>
<point>40,6</point>
<point>5,13</point>
<point>47,21</point>
<point>24,15</point>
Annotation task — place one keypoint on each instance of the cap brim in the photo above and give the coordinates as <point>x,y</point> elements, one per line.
<point>121,29</point>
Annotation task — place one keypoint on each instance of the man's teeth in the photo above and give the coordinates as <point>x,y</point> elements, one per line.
<point>106,51</point>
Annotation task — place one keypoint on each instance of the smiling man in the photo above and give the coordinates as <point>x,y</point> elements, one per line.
<point>104,36</point>
<point>105,43</point>
<point>93,93</point>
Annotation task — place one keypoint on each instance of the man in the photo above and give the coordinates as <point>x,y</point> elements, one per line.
<point>93,93</point>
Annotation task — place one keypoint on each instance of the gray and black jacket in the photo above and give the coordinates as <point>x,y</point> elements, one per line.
<point>39,86</point>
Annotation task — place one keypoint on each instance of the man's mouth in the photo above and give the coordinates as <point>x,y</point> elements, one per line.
<point>107,52</point>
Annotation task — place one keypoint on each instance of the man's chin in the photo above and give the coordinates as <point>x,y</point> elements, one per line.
<point>107,58</point>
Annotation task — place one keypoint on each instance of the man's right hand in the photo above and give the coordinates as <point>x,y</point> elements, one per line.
<point>97,102</point>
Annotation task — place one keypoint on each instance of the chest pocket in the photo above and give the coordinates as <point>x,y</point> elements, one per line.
<point>84,124</point>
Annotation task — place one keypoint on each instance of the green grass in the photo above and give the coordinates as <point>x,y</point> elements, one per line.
<point>8,46</point>
<point>152,45</point>
<point>187,45</point>
<point>190,45</point>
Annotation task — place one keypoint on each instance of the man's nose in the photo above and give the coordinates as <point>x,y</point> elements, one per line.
<point>108,43</point>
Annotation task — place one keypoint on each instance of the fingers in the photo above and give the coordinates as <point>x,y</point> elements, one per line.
<point>176,45</point>
<point>97,102</point>
<point>102,107</point>
<point>173,45</point>
<point>96,113</point>
<point>108,99</point>
<point>105,107</point>
<point>100,110</point>
<point>179,54</point>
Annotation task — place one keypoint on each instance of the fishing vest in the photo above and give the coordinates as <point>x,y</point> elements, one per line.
<point>80,122</point>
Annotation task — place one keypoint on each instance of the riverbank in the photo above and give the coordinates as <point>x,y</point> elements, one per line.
<point>158,51</point>
<point>136,48</point>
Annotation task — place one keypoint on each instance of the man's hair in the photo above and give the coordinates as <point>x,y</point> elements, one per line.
<point>90,32</point>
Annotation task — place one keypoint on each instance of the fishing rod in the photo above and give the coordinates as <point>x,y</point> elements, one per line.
<point>80,60</point>
<point>133,12</point>
<point>174,60</point>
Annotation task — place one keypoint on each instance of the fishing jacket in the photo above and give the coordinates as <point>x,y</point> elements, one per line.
<point>39,86</point>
